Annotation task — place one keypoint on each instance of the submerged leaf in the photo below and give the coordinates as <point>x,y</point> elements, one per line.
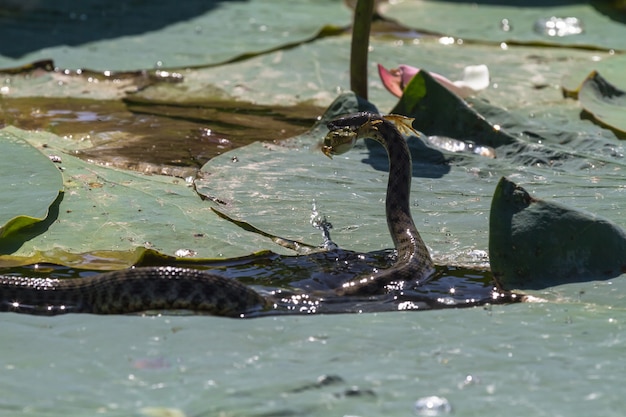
<point>181,136</point>
<point>535,244</point>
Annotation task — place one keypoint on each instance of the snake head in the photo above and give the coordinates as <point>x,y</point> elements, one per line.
<point>352,121</point>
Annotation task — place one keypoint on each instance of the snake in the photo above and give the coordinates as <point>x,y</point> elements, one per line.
<point>141,289</point>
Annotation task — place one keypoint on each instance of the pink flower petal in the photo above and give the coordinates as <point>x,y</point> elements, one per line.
<point>396,79</point>
<point>392,80</point>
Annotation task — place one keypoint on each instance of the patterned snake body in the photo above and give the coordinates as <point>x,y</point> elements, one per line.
<point>130,291</point>
<point>413,263</point>
<point>171,288</point>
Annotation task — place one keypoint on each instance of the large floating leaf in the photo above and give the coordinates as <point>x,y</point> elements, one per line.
<point>30,185</point>
<point>106,214</point>
<point>439,112</point>
<point>611,67</point>
<point>512,22</point>
<point>143,35</point>
<point>536,244</point>
<point>604,102</point>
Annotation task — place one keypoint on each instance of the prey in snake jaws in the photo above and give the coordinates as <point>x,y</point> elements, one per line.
<point>171,288</point>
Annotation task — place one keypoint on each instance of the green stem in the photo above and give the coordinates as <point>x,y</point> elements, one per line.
<point>360,45</point>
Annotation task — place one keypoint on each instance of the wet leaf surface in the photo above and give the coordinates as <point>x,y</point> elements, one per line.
<point>168,34</point>
<point>515,23</point>
<point>155,138</point>
<point>31,183</point>
<point>604,103</point>
<point>536,244</point>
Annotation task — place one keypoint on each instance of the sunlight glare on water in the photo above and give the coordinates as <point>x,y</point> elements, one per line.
<point>432,406</point>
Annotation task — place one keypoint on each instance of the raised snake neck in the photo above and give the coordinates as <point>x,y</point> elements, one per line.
<point>413,263</point>
<point>172,288</point>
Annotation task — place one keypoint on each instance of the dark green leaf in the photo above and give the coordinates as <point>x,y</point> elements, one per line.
<point>603,102</point>
<point>30,185</point>
<point>437,111</point>
<point>536,244</point>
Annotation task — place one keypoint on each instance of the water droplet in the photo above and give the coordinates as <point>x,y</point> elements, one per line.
<point>185,253</point>
<point>505,25</point>
<point>469,380</point>
<point>432,406</point>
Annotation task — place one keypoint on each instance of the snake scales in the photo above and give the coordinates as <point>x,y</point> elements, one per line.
<point>171,288</point>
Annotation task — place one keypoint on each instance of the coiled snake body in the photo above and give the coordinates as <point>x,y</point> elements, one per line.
<point>171,288</point>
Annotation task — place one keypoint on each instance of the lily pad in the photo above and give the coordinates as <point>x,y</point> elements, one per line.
<point>437,111</point>
<point>604,103</point>
<point>139,35</point>
<point>611,67</point>
<point>106,214</point>
<point>30,184</point>
<point>535,244</point>
<point>512,22</point>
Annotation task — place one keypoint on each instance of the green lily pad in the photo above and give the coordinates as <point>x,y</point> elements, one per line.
<point>277,177</point>
<point>106,214</point>
<point>110,218</point>
<point>140,35</point>
<point>603,102</point>
<point>535,244</point>
<point>30,185</point>
<point>512,22</point>
<point>611,67</point>
<point>439,112</point>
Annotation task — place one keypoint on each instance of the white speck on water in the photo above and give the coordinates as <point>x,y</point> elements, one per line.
<point>432,406</point>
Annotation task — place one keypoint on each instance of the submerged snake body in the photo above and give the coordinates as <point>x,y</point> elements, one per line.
<point>170,288</point>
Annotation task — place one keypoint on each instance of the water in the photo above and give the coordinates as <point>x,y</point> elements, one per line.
<point>432,406</point>
<point>356,365</point>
